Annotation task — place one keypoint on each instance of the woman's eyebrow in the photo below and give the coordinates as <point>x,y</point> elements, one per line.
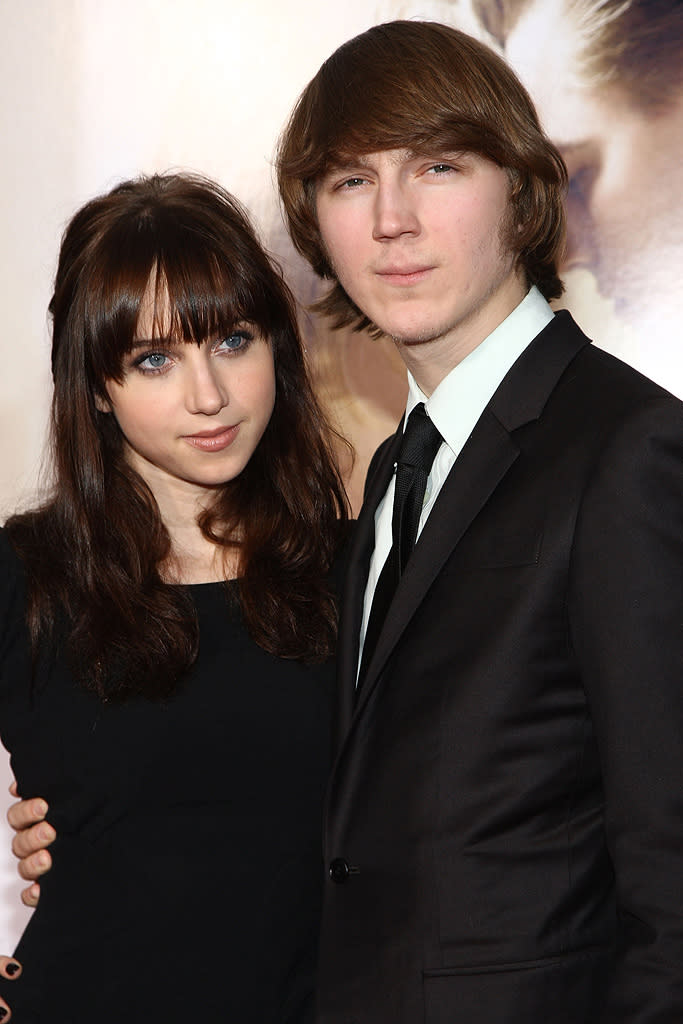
<point>162,339</point>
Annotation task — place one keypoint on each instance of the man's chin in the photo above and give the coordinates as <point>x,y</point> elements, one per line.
<point>412,339</point>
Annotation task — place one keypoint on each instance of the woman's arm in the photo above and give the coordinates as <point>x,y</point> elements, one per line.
<point>33,835</point>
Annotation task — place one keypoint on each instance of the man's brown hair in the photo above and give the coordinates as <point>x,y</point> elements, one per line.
<point>426,88</point>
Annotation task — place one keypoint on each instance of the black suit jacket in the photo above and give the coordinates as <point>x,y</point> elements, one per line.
<point>504,820</point>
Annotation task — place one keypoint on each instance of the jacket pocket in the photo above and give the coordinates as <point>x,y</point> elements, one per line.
<point>497,549</point>
<point>568,989</point>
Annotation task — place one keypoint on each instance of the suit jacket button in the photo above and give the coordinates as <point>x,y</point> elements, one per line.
<point>339,870</point>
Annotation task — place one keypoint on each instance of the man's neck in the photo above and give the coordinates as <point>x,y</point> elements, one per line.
<point>431,360</point>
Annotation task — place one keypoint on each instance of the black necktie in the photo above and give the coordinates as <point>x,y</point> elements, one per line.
<point>421,441</point>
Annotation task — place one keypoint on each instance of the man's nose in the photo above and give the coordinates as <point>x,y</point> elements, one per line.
<point>395,212</point>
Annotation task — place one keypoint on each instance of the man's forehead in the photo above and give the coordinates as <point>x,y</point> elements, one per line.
<point>345,161</point>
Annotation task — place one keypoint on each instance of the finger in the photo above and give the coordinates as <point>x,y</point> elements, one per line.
<point>31,840</point>
<point>13,788</point>
<point>31,895</point>
<point>26,813</point>
<point>34,866</point>
<point>9,967</point>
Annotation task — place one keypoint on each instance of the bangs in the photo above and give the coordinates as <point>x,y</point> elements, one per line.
<point>198,299</point>
<point>174,279</point>
<point>399,86</point>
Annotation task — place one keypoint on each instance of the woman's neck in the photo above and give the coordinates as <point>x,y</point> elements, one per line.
<point>194,558</point>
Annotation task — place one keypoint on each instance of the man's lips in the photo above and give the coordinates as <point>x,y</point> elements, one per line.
<point>213,440</point>
<point>411,274</point>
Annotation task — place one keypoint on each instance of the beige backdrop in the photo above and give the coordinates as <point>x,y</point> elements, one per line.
<point>96,90</point>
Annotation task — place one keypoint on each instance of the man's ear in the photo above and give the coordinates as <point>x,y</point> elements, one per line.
<point>101,404</point>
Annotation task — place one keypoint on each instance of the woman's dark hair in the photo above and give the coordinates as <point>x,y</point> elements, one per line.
<point>422,87</point>
<point>93,551</point>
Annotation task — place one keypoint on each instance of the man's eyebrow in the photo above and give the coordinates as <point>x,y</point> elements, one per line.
<point>346,164</point>
<point>343,164</point>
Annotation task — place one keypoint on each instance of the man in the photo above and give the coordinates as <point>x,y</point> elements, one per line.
<point>503,827</point>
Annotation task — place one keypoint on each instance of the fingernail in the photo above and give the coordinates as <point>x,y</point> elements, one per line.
<point>40,808</point>
<point>3,1012</point>
<point>11,969</point>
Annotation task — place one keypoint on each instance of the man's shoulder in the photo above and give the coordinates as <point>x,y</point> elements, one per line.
<point>601,401</point>
<point>599,373</point>
<point>615,379</point>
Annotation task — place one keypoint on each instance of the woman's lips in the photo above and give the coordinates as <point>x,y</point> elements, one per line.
<point>213,440</point>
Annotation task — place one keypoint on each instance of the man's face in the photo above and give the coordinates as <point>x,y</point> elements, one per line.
<point>415,241</point>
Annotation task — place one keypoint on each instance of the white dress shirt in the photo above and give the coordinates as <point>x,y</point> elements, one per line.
<point>454,407</point>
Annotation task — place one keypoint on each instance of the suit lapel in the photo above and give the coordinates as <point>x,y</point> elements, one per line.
<point>358,564</point>
<point>483,462</point>
<point>480,467</point>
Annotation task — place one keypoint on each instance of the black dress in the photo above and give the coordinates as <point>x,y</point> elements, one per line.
<point>187,871</point>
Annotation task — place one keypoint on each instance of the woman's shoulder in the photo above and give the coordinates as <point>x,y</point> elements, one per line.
<point>27,538</point>
<point>10,562</point>
<point>12,584</point>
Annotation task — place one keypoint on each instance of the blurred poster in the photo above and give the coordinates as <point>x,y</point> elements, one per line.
<point>607,79</point>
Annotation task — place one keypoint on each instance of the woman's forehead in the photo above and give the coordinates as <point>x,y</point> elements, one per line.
<point>154,315</point>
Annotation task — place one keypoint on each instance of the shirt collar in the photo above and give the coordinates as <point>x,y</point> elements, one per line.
<point>457,403</point>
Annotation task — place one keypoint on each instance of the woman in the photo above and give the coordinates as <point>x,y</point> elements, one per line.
<point>167,623</point>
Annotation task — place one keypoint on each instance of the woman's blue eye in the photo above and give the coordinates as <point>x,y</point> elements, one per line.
<point>235,341</point>
<point>152,361</point>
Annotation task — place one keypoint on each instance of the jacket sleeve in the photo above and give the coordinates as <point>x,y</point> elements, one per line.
<point>626,621</point>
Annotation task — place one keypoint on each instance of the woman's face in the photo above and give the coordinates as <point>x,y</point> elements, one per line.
<point>192,415</point>
<point>624,210</point>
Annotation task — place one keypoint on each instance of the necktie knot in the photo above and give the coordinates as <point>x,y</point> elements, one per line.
<point>421,440</point>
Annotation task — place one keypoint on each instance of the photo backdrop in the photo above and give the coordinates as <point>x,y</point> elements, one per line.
<point>94,91</point>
